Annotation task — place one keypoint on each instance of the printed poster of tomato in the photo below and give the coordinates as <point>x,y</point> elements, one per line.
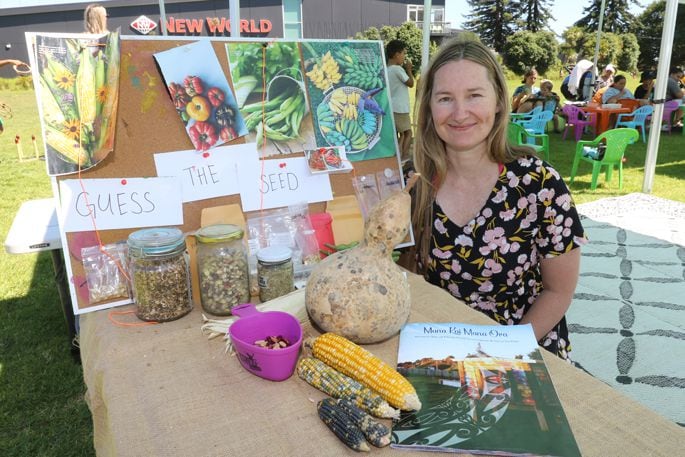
<point>200,92</point>
<point>349,98</point>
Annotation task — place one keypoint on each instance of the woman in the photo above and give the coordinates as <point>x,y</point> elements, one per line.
<point>495,225</point>
<point>645,91</point>
<point>95,19</point>
<point>617,91</point>
<point>521,101</point>
<point>606,79</point>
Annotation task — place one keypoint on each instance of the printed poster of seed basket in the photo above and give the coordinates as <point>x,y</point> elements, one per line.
<point>273,103</point>
<point>76,79</point>
<point>200,92</point>
<point>349,97</point>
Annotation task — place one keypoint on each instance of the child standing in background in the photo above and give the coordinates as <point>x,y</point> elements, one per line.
<point>400,79</point>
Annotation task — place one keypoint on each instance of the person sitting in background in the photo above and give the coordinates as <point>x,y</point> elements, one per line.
<point>597,98</point>
<point>549,101</point>
<point>617,91</point>
<point>675,92</point>
<point>606,79</point>
<point>645,91</point>
<point>95,19</point>
<point>522,100</point>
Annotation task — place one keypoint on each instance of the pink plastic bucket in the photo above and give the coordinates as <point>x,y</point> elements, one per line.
<point>322,225</point>
<point>253,325</point>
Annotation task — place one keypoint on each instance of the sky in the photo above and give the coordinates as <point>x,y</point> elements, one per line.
<point>565,12</point>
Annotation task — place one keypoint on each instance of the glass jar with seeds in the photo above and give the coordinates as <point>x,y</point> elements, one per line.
<point>274,272</point>
<point>222,266</point>
<point>159,271</point>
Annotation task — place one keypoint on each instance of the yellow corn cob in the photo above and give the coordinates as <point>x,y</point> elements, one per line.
<point>356,362</point>
<point>52,113</point>
<point>85,87</point>
<point>67,147</point>
<point>337,385</point>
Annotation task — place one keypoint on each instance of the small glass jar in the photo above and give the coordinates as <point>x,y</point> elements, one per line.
<point>222,266</point>
<point>159,271</point>
<point>274,272</point>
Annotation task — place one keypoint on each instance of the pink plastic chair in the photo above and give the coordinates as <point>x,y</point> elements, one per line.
<point>578,119</point>
<point>667,119</point>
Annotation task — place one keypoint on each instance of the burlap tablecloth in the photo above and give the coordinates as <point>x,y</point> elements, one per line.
<point>165,390</point>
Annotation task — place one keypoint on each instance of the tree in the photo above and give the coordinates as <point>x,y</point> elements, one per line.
<point>609,47</point>
<point>527,49</point>
<point>649,38</point>
<point>407,32</point>
<point>535,15</point>
<point>629,53</point>
<point>492,20</point>
<point>617,17</point>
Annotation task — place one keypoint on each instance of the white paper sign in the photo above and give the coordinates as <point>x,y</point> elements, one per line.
<point>207,174</point>
<point>120,203</point>
<point>283,182</point>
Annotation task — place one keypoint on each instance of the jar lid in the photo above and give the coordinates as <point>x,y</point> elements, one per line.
<point>274,254</point>
<point>156,241</point>
<point>219,232</point>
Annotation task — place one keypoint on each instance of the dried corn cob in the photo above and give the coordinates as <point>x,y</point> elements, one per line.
<point>361,365</point>
<point>337,385</point>
<point>375,432</point>
<point>342,425</point>
<point>100,87</point>
<point>65,146</point>
<point>85,87</point>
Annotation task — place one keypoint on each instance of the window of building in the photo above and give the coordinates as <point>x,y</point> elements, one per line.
<point>292,19</point>
<point>437,17</point>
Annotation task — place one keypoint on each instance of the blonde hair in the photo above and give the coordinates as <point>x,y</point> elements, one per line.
<point>430,155</point>
<point>95,18</point>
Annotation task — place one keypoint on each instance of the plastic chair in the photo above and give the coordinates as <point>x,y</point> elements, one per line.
<point>667,119</point>
<point>629,103</point>
<point>519,136</point>
<point>521,117</point>
<point>616,141</point>
<point>538,123</point>
<point>578,119</point>
<point>635,119</point>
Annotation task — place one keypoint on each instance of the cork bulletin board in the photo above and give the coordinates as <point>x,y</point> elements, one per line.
<point>147,123</point>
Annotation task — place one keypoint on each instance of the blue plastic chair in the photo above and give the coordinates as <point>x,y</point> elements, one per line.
<point>636,119</point>
<point>522,117</point>
<point>538,124</point>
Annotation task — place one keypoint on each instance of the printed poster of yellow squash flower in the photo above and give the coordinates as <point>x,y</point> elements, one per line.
<point>347,86</point>
<point>77,84</point>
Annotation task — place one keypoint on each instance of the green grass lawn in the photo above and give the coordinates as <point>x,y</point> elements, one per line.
<point>42,408</point>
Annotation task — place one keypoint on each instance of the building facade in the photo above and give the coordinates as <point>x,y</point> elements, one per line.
<point>327,19</point>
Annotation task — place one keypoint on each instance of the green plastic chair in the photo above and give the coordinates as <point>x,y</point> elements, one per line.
<point>616,142</point>
<point>517,134</point>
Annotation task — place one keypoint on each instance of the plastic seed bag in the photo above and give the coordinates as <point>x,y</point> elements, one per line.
<point>106,271</point>
<point>366,189</point>
<point>389,182</point>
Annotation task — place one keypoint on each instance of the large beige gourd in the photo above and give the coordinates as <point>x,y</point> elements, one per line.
<point>360,293</point>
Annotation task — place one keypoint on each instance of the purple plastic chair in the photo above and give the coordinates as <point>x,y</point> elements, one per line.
<point>667,119</point>
<point>578,119</point>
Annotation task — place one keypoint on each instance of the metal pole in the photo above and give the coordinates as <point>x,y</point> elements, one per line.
<point>427,6</point>
<point>234,15</point>
<point>599,36</point>
<point>162,16</point>
<point>660,93</point>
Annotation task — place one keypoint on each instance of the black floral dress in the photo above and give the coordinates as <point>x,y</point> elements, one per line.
<point>493,262</point>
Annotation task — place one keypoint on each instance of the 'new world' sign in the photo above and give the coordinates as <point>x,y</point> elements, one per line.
<point>214,26</point>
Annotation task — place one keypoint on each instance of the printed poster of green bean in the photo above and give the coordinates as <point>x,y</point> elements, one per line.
<point>281,116</point>
<point>349,97</point>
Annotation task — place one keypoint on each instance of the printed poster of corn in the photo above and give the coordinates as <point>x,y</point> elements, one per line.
<point>273,102</point>
<point>349,97</point>
<point>77,85</point>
